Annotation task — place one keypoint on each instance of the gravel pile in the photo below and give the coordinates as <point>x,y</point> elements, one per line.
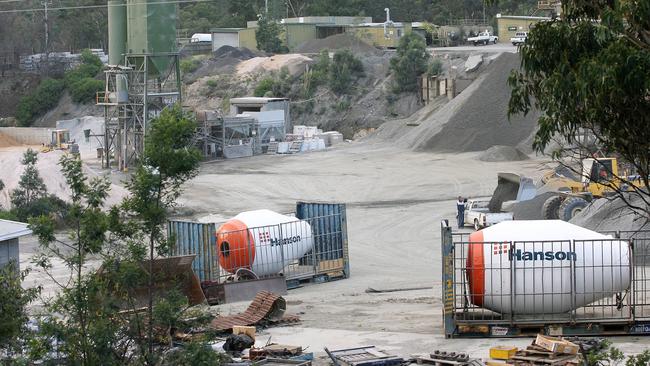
<point>612,215</point>
<point>502,153</point>
<point>476,119</point>
<point>233,53</point>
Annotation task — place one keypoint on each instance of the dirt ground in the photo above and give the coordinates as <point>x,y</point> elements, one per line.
<point>395,200</point>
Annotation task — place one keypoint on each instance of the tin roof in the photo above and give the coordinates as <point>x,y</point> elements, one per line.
<point>12,229</point>
<point>255,100</point>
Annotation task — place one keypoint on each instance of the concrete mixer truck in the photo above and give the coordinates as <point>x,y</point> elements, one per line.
<point>262,241</point>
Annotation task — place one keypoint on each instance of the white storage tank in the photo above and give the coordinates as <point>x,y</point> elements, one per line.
<point>262,241</point>
<point>544,267</point>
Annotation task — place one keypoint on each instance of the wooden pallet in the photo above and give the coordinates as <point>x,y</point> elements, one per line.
<point>316,278</point>
<point>536,355</point>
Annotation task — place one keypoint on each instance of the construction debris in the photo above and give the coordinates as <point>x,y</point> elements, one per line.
<point>236,343</point>
<point>544,350</point>
<point>266,308</point>
<point>363,356</point>
<point>275,350</point>
<point>443,358</point>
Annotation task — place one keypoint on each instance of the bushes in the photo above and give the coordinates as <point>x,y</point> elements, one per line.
<point>190,65</point>
<point>409,63</point>
<point>85,90</point>
<point>80,82</point>
<point>342,70</point>
<point>435,67</point>
<point>45,97</point>
<point>265,86</point>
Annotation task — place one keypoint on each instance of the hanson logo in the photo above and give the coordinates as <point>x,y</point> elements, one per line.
<point>521,255</point>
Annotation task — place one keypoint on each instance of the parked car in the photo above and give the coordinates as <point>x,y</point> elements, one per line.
<point>519,38</point>
<point>478,214</point>
<point>483,38</point>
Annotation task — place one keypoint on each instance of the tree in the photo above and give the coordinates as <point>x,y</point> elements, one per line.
<point>589,72</point>
<point>267,36</point>
<point>13,311</point>
<point>84,326</point>
<point>409,63</point>
<point>31,186</point>
<point>169,160</point>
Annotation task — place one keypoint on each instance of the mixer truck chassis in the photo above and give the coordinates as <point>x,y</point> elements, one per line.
<point>623,313</point>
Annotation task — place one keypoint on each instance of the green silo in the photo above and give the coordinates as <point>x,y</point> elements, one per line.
<point>151,29</point>
<point>116,31</point>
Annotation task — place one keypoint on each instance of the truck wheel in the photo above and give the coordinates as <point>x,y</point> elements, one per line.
<point>571,207</point>
<point>551,207</point>
<point>475,43</point>
<point>477,227</point>
<point>486,42</point>
<point>495,41</point>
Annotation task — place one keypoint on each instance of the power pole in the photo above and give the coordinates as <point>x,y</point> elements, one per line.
<point>47,38</point>
<point>266,8</point>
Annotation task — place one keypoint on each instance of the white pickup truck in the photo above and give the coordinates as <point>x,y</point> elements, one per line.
<point>478,214</point>
<point>520,37</point>
<point>484,38</point>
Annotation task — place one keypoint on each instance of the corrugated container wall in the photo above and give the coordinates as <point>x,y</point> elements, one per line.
<point>199,239</point>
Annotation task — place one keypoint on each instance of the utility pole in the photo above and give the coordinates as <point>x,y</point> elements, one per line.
<point>47,38</point>
<point>266,8</point>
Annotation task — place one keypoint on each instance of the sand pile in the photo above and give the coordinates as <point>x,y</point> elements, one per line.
<point>50,170</point>
<point>477,118</point>
<point>295,63</point>
<point>7,141</point>
<point>337,42</point>
<point>502,153</point>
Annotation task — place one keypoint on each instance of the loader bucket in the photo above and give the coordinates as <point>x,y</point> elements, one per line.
<point>511,187</point>
<point>169,273</point>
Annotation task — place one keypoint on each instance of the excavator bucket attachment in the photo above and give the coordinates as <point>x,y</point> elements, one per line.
<point>511,187</point>
<point>169,273</point>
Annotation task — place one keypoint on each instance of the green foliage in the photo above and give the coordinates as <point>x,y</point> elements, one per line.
<point>642,359</point>
<point>13,311</point>
<point>409,63</point>
<point>86,329</point>
<point>196,354</point>
<point>343,70</point>
<point>591,77</point>
<point>267,36</point>
<point>79,81</point>
<point>85,90</point>
<point>169,160</point>
<point>30,185</point>
<point>342,106</point>
<point>189,65</point>
<point>435,67</point>
<point>265,85</point>
<point>44,98</point>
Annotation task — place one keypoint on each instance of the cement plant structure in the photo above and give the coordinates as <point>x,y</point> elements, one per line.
<point>142,77</point>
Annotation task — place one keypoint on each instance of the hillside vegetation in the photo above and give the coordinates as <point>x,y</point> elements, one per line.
<point>75,29</point>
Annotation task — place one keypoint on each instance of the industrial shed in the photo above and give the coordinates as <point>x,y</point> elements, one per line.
<point>10,233</point>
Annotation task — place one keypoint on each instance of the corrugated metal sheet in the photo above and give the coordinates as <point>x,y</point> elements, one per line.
<point>329,229</point>
<point>199,239</point>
